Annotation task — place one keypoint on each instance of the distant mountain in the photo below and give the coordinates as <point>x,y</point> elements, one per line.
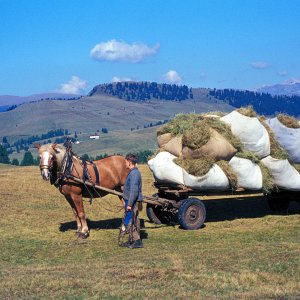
<point>288,89</point>
<point>9,100</point>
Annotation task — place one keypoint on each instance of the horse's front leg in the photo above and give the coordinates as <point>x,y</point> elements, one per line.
<point>71,202</point>
<point>84,230</point>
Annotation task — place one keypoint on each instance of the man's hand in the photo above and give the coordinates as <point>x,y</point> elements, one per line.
<point>128,208</point>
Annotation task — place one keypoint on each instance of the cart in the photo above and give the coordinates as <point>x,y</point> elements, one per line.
<point>173,204</point>
<point>180,204</point>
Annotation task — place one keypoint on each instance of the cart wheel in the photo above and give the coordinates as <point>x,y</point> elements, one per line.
<point>278,204</point>
<point>156,215</point>
<point>191,214</point>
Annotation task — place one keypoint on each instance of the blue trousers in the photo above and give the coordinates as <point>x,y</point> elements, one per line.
<point>128,214</point>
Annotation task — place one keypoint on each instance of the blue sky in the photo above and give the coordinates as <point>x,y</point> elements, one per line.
<point>71,46</point>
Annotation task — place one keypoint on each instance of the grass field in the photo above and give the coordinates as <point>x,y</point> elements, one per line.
<point>243,252</point>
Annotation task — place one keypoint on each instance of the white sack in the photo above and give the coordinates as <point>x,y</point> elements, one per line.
<point>288,138</point>
<point>248,173</point>
<point>164,169</point>
<point>215,179</point>
<point>250,131</point>
<point>284,174</point>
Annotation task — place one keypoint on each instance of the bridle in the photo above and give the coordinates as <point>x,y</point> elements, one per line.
<point>49,165</point>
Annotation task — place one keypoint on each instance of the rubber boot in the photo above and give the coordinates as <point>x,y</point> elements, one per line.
<point>136,244</point>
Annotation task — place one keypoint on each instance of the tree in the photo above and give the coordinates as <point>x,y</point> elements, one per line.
<point>15,162</point>
<point>27,159</point>
<point>4,159</point>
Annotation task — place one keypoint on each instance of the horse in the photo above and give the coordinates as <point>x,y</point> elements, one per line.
<point>112,170</point>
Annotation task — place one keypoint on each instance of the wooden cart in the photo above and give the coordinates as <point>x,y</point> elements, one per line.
<point>173,204</point>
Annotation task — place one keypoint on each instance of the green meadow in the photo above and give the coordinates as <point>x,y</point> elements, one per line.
<point>244,251</point>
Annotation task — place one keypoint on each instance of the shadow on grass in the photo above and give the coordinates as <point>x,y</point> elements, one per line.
<point>230,209</point>
<point>114,223</point>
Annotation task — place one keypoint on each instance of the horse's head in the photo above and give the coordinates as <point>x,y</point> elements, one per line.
<point>47,156</point>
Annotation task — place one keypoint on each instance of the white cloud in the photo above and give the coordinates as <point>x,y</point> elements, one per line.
<point>120,51</point>
<point>172,77</point>
<point>74,86</point>
<point>259,65</point>
<point>282,73</point>
<point>120,79</point>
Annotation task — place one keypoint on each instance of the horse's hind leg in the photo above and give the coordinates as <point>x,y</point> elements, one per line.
<point>84,230</point>
<point>71,202</point>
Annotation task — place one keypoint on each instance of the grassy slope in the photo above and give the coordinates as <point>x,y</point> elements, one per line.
<point>114,142</point>
<point>91,113</point>
<point>244,252</point>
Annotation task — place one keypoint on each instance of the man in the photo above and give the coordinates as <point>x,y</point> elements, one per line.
<point>132,194</point>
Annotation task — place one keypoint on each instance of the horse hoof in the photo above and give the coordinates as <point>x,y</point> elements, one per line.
<point>83,235</point>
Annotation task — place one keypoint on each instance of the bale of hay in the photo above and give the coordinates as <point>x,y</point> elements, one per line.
<point>217,147</point>
<point>214,180</point>
<point>249,175</point>
<point>225,130</point>
<point>285,175</point>
<point>288,121</point>
<point>250,131</point>
<point>163,139</point>
<point>288,139</point>
<point>174,146</point>
<point>165,169</point>
<point>276,150</point>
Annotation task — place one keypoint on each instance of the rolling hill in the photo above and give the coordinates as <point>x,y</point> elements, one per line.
<point>129,111</point>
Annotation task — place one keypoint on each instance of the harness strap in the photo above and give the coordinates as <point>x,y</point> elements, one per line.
<point>96,174</point>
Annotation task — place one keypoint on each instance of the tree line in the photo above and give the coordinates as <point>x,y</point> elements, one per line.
<point>29,160</point>
<point>263,103</point>
<point>142,91</point>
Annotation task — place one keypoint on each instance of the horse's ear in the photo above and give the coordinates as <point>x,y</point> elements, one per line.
<point>37,146</point>
<point>54,147</point>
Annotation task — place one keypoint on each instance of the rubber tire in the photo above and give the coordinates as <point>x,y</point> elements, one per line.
<point>157,216</point>
<point>151,214</point>
<point>278,204</point>
<point>191,214</point>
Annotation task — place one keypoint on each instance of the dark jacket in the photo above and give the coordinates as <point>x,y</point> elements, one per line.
<point>133,187</point>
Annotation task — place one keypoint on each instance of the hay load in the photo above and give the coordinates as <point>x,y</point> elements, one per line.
<point>222,152</point>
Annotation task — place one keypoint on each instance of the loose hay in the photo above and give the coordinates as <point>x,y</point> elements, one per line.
<point>197,136</point>
<point>227,169</point>
<point>247,111</point>
<point>196,167</point>
<point>248,155</point>
<point>288,121</point>
<point>268,184</point>
<point>179,124</point>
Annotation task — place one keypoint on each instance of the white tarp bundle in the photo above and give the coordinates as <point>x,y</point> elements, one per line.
<point>248,173</point>
<point>284,174</point>
<point>250,131</point>
<point>288,138</point>
<point>215,179</point>
<point>164,169</point>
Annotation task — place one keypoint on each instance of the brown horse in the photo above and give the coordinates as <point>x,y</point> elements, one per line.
<point>112,170</point>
